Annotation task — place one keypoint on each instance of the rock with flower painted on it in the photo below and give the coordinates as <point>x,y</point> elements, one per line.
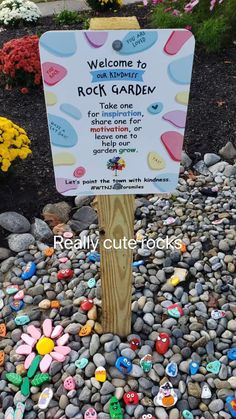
<point>45,346</point>
<point>40,379</point>
<point>13,378</point>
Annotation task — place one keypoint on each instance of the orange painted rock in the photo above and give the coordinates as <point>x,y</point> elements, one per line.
<point>2,358</point>
<point>85,330</point>
<point>49,251</point>
<point>55,304</point>
<point>3,330</point>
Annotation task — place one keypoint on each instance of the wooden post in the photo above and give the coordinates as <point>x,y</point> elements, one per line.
<point>116,218</point>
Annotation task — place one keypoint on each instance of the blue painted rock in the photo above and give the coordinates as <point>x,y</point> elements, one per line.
<point>21,320</point>
<point>29,270</point>
<point>17,305</point>
<point>124,364</point>
<point>194,367</point>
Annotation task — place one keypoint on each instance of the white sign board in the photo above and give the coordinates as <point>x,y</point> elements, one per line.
<point>116,105</point>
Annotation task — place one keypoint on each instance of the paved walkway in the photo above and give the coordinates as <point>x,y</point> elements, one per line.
<point>50,8</point>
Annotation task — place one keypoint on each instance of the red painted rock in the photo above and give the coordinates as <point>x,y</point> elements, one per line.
<point>135,344</point>
<point>87,304</point>
<point>131,397</point>
<point>65,274</point>
<point>162,343</point>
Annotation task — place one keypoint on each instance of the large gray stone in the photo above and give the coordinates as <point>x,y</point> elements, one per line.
<point>41,231</point>
<point>228,151</point>
<point>211,158</point>
<point>81,201</point>
<point>83,218</point>
<point>20,242</point>
<point>14,222</point>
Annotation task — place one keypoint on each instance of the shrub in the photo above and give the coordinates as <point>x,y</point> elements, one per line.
<point>212,33</point>
<point>67,17</point>
<point>101,5</point>
<point>20,62</point>
<point>13,12</point>
<point>14,143</point>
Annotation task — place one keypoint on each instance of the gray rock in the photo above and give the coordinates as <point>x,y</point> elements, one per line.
<point>185,160</point>
<point>216,405</point>
<point>85,395</point>
<point>81,201</point>
<point>94,344</point>
<point>211,158</point>
<point>107,388</point>
<point>230,170</point>
<point>84,217</point>
<point>99,360</point>
<point>4,253</point>
<point>228,152</point>
<point>14,222</point>
<point>20,242</point>
<point>201,168</point>
<point>71,411</point>
<point>41,231</point>
<point>7,264</point>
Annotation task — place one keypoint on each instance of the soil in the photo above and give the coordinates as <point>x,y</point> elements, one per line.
<point>211,118</point>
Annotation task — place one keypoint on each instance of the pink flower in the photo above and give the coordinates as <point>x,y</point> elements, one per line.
<point>175,12</point>
<point>145,2</point>
<point>189,7</point>
<point>168,9</point>
<point>212,4</point>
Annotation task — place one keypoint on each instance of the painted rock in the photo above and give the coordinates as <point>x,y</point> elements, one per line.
<point>21,320</point>
<point>155,108</point>
<point>23,350</point>
<point>124,364</point>
<point>214,367</point>
<point>176,40</point>
<point>65,274</point>
<point>91,282</point>
<point>63,185</point>
<point>17,305</point>
<point>85,330</point>
<point>194,367</point>
<point>155,161</point>
<point>79,172</point>
<point>162,343</point>
<point>40,379</point>
<point>29,270</point>
<point>169,221</point>
<point>64,159</point>
<point>147,416</point>
<point>55,304</point>
<point>62,133</point>
<point>172,369</point>
<point>94,257</point>
<point>206,392</point>
<point>14,378</point>
<point>25,387</point>
<point>19,295</point>
<point>179,275</point>
<point>96,39</point>
<point>45,346</point>
<point>90,413</point>
<point>187,414</point>
<point>71,111</point>
<point>34,366</point>
<point>45,363</point>
<point>28,339</point>
<point>87,304</point>
<point>69,383</point>
<point>175,310</point>
<point>81,363</point>
<point>138,263</point>
<point>218,314</point>
<point>34,332</point>
<point>166,396</point>
<point>12,289</point>
<point>173,142</point>
<point>115,409</point>
<point>61,44</point>
<point>180,70</point>
<point>3,330</point>
<point>146,363</point>
<point>131,397</point>
<point>137,41</point>
<point>50,98</point>
<point>100,374</point>
<point>231,354</point>
<point>1,303</point>
<point>182,98</point>
<point>135,344</point>
<point>176,118</point>
<point>2,358</point>
<point>231,405</point>
<point>45,398</point>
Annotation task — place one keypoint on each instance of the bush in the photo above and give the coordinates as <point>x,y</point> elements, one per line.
<point>212,28</point>
<point>14,143</point>
<point>13,12</point>
<point>67,17</point>
<point>20,62</point>
<point>101,5</point>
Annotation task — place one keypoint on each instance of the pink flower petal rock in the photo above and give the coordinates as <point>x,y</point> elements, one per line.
<point>28,339</point>
<point>96,39</point>
<point>47,327</point>
<point>57,331</point>
<point>45,363</point>
<point>58,357</point>
<point>53,73</point>
<point>173,142</point>
<point>34,332</point>
<point>23,350</point>
<point>28,360</point>
<point>176,40</point>
<point>177,118</point>
<point>64,350</point>
<point>63,339</point>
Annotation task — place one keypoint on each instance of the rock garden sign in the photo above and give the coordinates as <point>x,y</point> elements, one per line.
<point>116,104</point>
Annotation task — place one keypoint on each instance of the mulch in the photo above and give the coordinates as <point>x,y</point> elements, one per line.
<point>211,119</point>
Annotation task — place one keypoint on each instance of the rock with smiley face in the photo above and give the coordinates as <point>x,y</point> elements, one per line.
<point>124,364</point>
<point>166,396</point>
<point>65,274</point>
<point>90,413</point>
<point>162,343</point>
<point>131,397</point>
<point>115,409</point>
<point>147,416</point>
<point>135,344</point>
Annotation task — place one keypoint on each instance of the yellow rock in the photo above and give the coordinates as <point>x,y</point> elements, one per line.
<point>182,98</point>
<point>45,346</point>
<point>98,328</point>
<point>155,161</point>
<point>100,374</point>
<point>63,159</point>
<point>50,98</point>
<point>106,23</point>
<point>175,281</point>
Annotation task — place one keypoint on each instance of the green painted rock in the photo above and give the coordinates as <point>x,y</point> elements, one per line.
<point>214,367</point>
<point>14,378</point>
<point>25,387</point>
<point>34,366</point>
<point>40,379</point>
<point>115,409</point>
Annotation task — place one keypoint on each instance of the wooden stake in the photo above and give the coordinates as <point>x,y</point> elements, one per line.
<point>116,219</point>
